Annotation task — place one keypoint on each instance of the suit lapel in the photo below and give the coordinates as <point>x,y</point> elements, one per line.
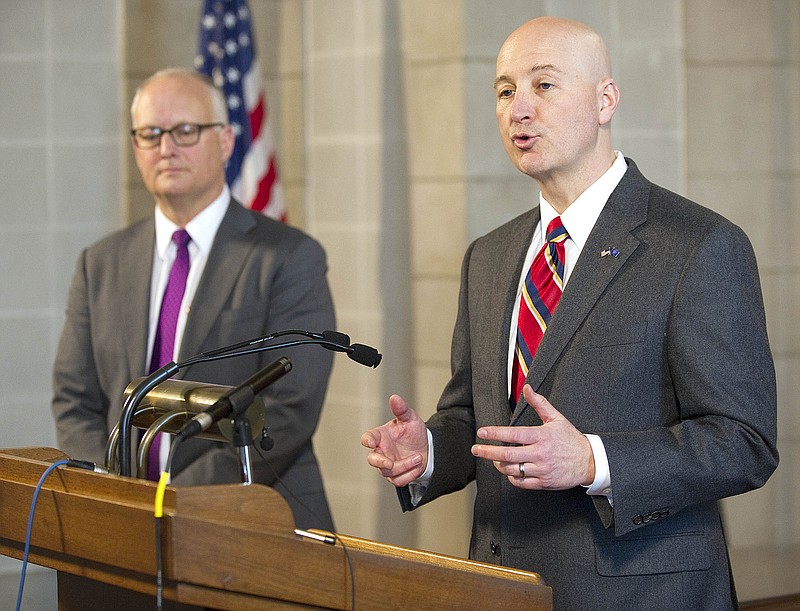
<point>228,253</point>
<point>510,258</point>
<point>135,266</point>
<point>625,210</point>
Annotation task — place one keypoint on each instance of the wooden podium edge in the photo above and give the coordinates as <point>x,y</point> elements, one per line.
<point>231,546</point>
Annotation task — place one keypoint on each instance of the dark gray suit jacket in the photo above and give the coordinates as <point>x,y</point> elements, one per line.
<point>261,276</point>
<point>663,352</point>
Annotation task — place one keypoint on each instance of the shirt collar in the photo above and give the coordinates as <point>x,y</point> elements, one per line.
<point>202,228</point>
<point>579,218</point>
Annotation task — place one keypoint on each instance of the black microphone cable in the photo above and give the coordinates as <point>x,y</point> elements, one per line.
<point>330,540</point>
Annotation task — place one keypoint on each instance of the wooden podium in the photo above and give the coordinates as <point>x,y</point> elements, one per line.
<point>223,547</point>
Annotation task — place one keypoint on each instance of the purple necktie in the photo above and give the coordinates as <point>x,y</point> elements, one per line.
<point>164,342</point>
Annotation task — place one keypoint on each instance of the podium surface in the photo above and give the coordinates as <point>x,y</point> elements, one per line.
<point>223,547</point>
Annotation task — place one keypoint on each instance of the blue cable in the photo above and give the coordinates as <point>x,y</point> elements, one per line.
<point>30,527</point>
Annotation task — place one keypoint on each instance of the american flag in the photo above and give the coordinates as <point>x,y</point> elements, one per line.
<point>227,54</point>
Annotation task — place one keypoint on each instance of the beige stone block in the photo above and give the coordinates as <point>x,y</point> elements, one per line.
<point>738,511</point>
<point>370,195</point>
<point>369,100</point>
<point>435,120</point>
<point>353,383</point>
<point>731,131</point>
<point>293,194</point>
<point>358,506</point>
<point>24,100</point>
<point>764,533</point>
<point>370,268</point>
<point>438,227</point>
<point>435,308</point>
<point>659,155</point>
<point>446,525</point>
<point>266,21</point>
<point>353,266</point>
<point>765,572</point>
<point>432,30</point>
<point>290,143</point>
<point>333,180</point>
<point>338,436</point>
<point>430,380</point>
<point>787,371</point>
<point>777,220</point>
<point>651,23</point>
<point>334,25</point>
<point>344,276</point>
<point>24,25</point>
<point>781,290</point>
<point>742,31</point>
<point>159,34</point>
<point>333,96</point>
<point>290,48</point>
<point>785,484</point>
<point>70,36</point>
<point>140,204</point>
<point>651,87</point>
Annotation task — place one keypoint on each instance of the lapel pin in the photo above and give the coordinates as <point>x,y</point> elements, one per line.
<point>613,251</point>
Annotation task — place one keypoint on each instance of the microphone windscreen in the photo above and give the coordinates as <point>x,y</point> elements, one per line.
<point>365,355</point>
<point>334,337</point>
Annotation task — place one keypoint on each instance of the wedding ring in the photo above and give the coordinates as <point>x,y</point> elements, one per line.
<point>522,469</point>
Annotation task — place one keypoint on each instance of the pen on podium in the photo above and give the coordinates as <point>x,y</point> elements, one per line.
<point>329,539</point>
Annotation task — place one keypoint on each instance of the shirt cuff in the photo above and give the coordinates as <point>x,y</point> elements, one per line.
<point>418,487</point>
<point>601,486</point>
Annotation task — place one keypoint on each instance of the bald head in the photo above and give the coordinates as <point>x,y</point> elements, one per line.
<point>581,46</point>
<point>192,79</point>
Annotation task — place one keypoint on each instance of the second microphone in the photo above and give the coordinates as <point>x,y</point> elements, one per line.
<point>238,399</point>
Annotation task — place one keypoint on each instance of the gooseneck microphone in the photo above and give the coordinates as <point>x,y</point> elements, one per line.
<point>331,340</point>
<point>236,400</point>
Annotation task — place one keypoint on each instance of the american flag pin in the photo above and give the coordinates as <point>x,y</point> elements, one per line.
<point>613,251</point>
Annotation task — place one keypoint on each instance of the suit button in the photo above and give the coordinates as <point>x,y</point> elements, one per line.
<point>663,514</point>
<point>494,547</point>
<point>638,520</point>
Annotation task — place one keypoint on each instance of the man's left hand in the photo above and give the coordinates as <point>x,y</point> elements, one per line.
<point>552,456</point>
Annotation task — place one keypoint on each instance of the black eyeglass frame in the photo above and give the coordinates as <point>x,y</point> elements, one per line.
<point>159,133</point>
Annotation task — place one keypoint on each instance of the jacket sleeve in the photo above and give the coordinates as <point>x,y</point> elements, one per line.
<point>80,407</point>
<point>722,375</point>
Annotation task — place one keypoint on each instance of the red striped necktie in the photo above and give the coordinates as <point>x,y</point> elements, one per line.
<point>540,294</point>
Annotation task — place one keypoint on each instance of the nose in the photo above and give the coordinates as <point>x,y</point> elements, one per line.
<point>166,145</point>
<point>522,108</point>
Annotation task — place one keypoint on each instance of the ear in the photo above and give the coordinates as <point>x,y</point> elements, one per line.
<point>227,141</point>
<point>608,98</point>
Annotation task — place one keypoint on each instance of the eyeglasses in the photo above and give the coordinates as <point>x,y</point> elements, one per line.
<point>183,134</point>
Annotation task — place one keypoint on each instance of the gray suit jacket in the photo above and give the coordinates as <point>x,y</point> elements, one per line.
<point>261,276</point>
<point>663,352</point>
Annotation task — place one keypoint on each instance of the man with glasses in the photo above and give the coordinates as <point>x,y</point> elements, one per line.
<point>242,275</point>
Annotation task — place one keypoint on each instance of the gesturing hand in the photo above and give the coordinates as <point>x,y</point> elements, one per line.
<point>552,456</point>
<point>399,448</point>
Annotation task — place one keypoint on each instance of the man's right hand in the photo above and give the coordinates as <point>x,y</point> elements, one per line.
<point>399,448</point>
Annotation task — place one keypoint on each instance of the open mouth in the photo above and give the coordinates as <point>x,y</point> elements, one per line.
<point>523,141</point>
